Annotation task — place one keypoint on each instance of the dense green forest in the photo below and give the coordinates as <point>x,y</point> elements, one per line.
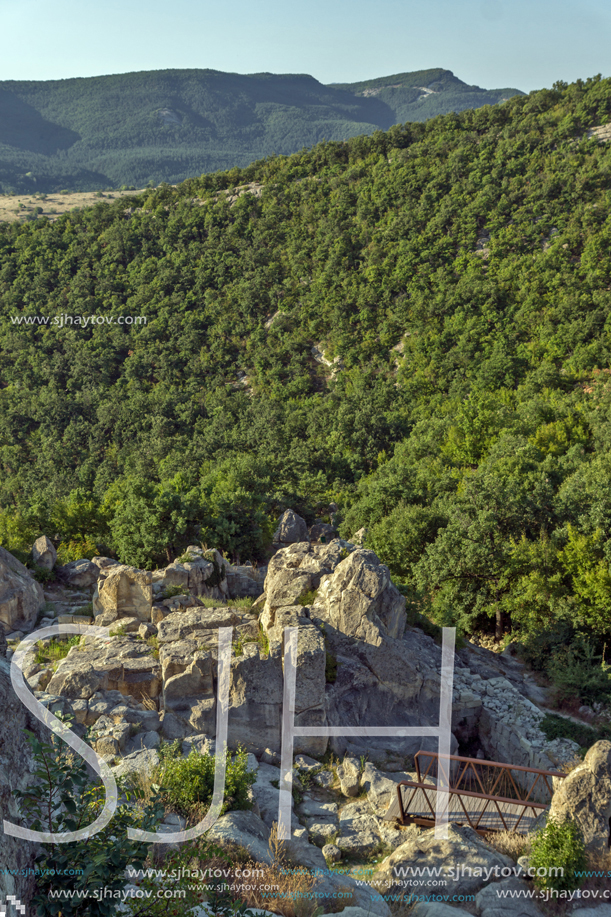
<point>168,125</point>
<point>457,271</point>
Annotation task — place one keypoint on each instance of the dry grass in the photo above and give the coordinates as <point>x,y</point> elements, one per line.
<point>288,885</point>
<point>509,843</point>
<point>15,208</point>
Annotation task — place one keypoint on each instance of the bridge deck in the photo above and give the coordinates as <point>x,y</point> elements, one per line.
<point>480,812</point>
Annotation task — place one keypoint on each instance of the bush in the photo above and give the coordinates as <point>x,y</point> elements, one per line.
<point>559,847</point>
<point>577,671</point>
<point>187,783</point>
<point>557,727</point>
<point>63,799</point>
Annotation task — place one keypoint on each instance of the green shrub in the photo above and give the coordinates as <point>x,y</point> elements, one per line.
<point>42,575</point>
<point>55,650</point>
<point>307,597</point>
<point>168,592</point>
<point>578,671</point>
<point>187,783</point>
<point>559,847</point>
<point>63,799</point>
<point>330,668</point>
<point>557,727</point>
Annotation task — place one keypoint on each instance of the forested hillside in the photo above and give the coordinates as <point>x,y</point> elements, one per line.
<point>168,125</point>
<point>455,274</point>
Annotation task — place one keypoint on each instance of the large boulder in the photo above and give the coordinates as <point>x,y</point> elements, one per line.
<point>361,601</point>
<point>16,855</point>
<point>404,868</point>
<point>44,553</point>
<point>255,700</point>
<point>21,597</point>
<point>297,570</point>
<point>95,665</point>
<point>78,573</point>
<point>291,528</point>
<point>125,592</point>
<point>584,796</point>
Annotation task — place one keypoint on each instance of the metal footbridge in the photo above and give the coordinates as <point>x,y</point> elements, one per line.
<point>485,795</point>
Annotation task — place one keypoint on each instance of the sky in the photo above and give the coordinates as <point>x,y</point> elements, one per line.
<point>523,44</point>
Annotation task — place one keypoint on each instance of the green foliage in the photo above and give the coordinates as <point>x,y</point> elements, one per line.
<point>63,799</point>
<point>55,650</point>
<point>42,575</point>
<point>557,727</point>
<point>307,597</point>
<point>168,592</point>
<point>187,783</point>
<point>330,668</point>
<point>459,270</point>
<point>579,671</point>
<point>559,847</point>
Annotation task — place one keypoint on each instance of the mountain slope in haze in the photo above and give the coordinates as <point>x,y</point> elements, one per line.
<point>168,125</point>
<point>424,94</point>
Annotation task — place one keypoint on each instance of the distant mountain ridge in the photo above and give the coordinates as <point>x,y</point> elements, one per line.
<point>167,125</point>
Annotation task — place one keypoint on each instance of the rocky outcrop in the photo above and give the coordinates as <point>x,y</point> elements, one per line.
<point>463,846</point>
<point>78,573</point>
<point>21,597</point>
<point>121,664</point>
<point>360,600</point>
<point>124,592</point>
<point>44,553</point>
<point>291,529</point>
<point>584,796</point>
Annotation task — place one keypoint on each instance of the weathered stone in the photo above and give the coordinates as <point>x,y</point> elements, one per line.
<point>127,592</point>
<point>255,700</point>
<point>291,528</point>
<point>437,909</point>
<point>147,630</point>
<point>245,829</point>
<point>509,898</point>
<point>44,553</point>
<point>78,573</point>
<point>199,624</point>
<point>332,854</point>
<point>584,796</point>
<point>381,787</point>
<point>95,665</point>
<point>21,597</point>
<point>349,776</point>
<point>361,601</point>
<point>323,532</point>
<point>463,845</point>
<point>358,830</point>
<point>142,761</point>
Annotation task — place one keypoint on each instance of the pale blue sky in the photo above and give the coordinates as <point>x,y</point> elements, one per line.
<point>493,43</point>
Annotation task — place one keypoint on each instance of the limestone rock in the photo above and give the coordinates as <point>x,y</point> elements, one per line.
<point>436,909</point>
<point>20,595</point>
<point>332,854</point>
<point>463,845</point>
<point>126,592</point>
<point>44,553</point>
<point>584,796</point>
<point>323,532</point>
<point>349,776</point>
<point>199,624</point>
<point>119,664</point>
<point>78,573</point>
<point>359,834</point>
<point>516,902</point>
<point>255,700</point>
<point>361,601</point>
<point>291,528</point>
<point>245,829</point>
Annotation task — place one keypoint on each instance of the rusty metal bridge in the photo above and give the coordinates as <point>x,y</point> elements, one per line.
<point>486,795</point>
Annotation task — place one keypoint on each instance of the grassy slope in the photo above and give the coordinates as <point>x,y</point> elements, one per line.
<point>106,131</point>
